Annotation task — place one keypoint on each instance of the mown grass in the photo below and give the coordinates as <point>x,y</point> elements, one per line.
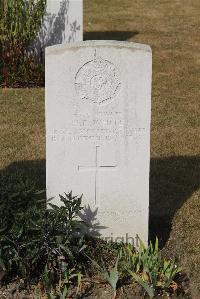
<point>22,131</point>
<point>171,29</point>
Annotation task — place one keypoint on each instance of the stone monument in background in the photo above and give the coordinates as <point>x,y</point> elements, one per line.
<point>98,110</point>
<point>63,23</point>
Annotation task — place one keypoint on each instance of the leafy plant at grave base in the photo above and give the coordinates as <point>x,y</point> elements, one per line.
<point>146,265</point>
<point>111,276</point>
<point>20,22</point>
<point>20,204</point>
<point>65,280</point>
<point>155,274</point>
<point>32,236</point>
<point>98,250</point>
<point>17,194</point>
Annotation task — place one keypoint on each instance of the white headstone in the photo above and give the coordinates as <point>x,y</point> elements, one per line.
<point>63,23</point>
<point>98,103</point>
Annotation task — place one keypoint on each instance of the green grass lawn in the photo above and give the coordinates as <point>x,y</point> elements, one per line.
<point>171,29</point>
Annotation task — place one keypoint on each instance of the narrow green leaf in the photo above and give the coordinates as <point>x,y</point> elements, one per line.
<point>146,286</point>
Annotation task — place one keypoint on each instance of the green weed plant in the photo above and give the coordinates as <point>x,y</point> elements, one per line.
<point>20,22</point>
<point>33,236</point>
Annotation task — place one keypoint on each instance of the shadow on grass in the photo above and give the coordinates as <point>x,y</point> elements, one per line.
<point>172,182</point>
<point>109,35</point>
<point>33,170</point>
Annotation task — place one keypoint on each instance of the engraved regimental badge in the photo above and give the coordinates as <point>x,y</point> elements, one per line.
<point>98,81</point>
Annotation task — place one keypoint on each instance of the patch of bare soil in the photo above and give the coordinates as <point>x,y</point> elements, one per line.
<point>91,289</point>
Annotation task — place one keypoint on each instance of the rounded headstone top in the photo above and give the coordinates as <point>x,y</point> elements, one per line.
<point>57,49</point>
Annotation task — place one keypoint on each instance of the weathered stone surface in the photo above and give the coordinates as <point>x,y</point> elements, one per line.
<point>98,103</point>
<point>63,23</point>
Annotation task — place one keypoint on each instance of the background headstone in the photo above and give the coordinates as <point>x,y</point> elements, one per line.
<point>63,23</point>
<point>98,103</point>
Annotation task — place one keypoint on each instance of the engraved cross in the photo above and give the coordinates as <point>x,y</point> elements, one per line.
<point>96,169</point>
